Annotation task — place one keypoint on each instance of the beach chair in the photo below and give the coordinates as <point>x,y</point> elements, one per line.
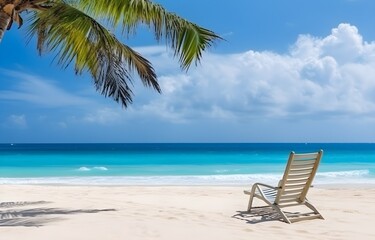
<point>292,188</point>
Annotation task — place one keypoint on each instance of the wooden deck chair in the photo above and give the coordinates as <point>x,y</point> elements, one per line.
<point>292,188</point>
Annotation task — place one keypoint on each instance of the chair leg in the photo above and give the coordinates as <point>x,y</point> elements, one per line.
<point>282,214</point>
<point>250,203</point>
<point>249,206</point>
<point>309,205</point>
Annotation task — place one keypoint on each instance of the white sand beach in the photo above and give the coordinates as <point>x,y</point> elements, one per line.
<point>174,212</point>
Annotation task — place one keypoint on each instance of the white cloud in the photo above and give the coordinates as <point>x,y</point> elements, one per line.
<point>329,77</point>
<point>151,50</point>
<point>43,92</point>
<point>320,77</point>
<point>344,44</point>
<point>62,124</point>
<point>103,116</point>
<point>18,121</point>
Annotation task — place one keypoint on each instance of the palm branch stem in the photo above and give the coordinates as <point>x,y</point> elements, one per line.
<point>4,21</point>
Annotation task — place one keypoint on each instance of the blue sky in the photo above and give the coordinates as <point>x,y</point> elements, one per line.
<point>288,71</point>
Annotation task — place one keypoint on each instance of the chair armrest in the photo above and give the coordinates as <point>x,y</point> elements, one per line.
<point>267,186</point>
<point>256,185</point>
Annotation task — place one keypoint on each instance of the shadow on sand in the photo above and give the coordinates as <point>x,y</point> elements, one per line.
<point>35,217</point>
<point>258,215</point>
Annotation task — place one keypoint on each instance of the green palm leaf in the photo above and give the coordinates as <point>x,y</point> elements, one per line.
<point>79,38</point>
<point>76,31</point>
<point>187,39</point>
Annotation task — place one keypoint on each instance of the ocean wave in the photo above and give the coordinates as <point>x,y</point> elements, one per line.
<point>221,171</point>
<point>86,169</point>
<point>340,177</point>
<point>353,173</point>
<point>101,168</point>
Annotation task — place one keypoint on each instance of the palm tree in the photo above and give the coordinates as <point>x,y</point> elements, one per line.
<point>77,31</point>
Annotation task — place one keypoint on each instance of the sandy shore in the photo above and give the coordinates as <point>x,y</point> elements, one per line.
<point>106,213</point>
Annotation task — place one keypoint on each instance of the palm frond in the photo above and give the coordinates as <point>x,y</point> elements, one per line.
<point>78,38</point>
<point>187,39</point>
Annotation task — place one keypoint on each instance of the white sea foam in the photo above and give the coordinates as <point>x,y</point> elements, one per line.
<point>101,168</point>
<point>84,169</point>
<point>343,177</point>
<point>221,171</point>
<point>354,173</point>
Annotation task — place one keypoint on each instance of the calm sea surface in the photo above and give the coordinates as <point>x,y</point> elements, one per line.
<point>177,164</point>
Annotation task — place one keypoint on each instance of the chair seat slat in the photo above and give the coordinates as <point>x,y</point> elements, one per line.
<point>294,186</point>
<point>301,170</point>
<point>287,201</point>
<point>302,166</point>
<point>307,162</point>
<point>307,156</point>
<point>297,190</point>
<point>298,176</point>
<point>297,181</point>
<point>290,196</point>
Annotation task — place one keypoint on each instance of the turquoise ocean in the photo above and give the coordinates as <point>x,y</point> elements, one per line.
<point>178,164</point>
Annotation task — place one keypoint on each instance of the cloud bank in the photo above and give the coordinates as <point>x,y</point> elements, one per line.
<point>324,78</point>
<point>327,77</point>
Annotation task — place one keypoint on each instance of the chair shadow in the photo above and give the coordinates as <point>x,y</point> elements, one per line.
<point>36,217</point>
<point>258,215</point>
<point>20,204</point>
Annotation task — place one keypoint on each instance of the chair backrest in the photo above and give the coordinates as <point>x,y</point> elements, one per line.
<point>298,176</point>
